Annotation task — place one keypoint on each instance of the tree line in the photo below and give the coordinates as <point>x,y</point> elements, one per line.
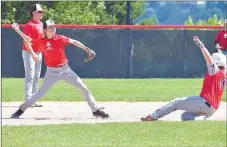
<point>86,12</point>
<point>72,12</point>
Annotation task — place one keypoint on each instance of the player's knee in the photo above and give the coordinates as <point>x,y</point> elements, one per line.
<point>175,101</point>
<point>178,100</point>
<point>81,87</point>
<point>29,76</point>
<point>36,78</point>
<point>29,79</point>
<point>84,89</point>
<point>185,116</point>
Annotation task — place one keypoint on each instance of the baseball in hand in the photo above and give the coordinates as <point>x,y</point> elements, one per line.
<point>15,26</point>
<point>93,53</point>
<point>197,41</point>
<point>195,38</point>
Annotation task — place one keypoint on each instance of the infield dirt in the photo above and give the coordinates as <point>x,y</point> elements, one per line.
<point>79,112</point>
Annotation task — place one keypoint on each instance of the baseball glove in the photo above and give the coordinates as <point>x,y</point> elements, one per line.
<point>90,54</point>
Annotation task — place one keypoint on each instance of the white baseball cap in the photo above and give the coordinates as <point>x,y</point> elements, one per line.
<point>36,8</point>
<point>48,23</point>
<point>219,59</point>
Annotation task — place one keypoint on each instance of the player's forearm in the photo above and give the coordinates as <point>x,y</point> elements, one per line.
<point>29,47</point>
<point>79,44</point>
<point>206,55</point>
<point>25,37</point>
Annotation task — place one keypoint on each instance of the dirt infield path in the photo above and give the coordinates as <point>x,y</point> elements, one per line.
<point>79,112</point>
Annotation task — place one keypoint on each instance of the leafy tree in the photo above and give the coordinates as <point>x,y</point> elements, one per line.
<point>7,12</point>
<point>177,12</point>
<point>149,21</point>
<point>77,12</point>
<point>211,21</point>
<point>189,21</point>
<point>201,22</point>
<point>215,21</point>
<point>117,10</point>
<point>72,12</point>
<point>19,10</point>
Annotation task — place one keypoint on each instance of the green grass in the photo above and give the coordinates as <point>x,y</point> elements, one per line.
<point>155,134</point>
<point>111,89</point>
<point>166,134</point>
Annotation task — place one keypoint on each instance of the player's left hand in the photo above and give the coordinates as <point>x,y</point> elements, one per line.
<point>197,41</point>
<point>91,54</point>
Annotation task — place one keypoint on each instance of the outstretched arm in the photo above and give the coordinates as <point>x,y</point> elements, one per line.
<point>27,41</point>
<point>78,44</point>
<point>205,52</point>
<point>90,52</point>
<point>212,68</point>
<point>26,38</point>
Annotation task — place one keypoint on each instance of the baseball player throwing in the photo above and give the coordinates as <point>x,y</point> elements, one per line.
<point>207,103</point>
<point>52,47</point>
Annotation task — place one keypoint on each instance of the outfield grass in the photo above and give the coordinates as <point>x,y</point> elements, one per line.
<point>155,134</point>
<point>111,89</point>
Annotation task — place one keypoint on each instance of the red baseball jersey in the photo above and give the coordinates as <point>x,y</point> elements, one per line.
<point>213,87</point>
<point>33,29</point>
<point>221,38</point>
<point>53,49</point>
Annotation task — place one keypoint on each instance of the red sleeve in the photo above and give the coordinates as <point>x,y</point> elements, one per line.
<point>28,30</point>
<point>218,36</point>
<point>65,40</point>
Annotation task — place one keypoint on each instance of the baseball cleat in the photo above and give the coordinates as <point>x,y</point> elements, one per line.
<point>100,113</point>
<point>37,105</point>
<point>148,118</point>
<point>17,114</point>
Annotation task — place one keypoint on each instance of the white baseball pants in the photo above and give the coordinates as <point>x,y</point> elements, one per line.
<point>32,73</point>
<point>61,73</point>
<point>194,106</point>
